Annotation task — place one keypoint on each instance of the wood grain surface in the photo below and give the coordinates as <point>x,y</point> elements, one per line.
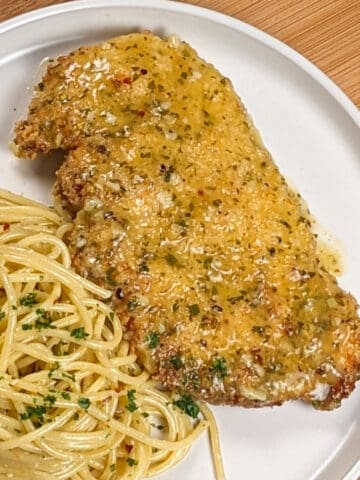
<point>327,32</point>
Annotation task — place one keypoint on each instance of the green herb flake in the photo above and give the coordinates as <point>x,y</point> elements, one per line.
<point>214,290</point>
<point>258,329</point>
<point>70,376</point>
<point>187,404</point>
<point>176,362</point>
<point>145,415</point>
<point>44,320</point>
<point>34,413</point>
<point>29,300</point>
<point>181,223</point>
<point>131,462</point>
<point>219,368</point>
<point>175,306</point>
<point>193,310</point>
<point>52,369</point>
<point>207,262</point>
<point>131,406</point>
<point>2,314</point>
<point>285,223</point>
<point>84,403</point>
<point>66,395</point>
<point>143,268</point>
<point>153,339</point>
<point>236,299</point>
<point>132,304</point>
<point>171,259</point>
<point>109,276</point>
<point>50,400</point>
<point>112,467</point>
<point>43,324</point>
<point>79,333</point>
<point>217,202</point>
<point>76,416</point>
<point>26,326</point>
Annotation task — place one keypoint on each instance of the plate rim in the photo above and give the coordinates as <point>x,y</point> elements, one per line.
<point>316,74</point>
<point>231,22</point>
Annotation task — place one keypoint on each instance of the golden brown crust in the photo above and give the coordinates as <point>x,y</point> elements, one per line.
<point>179,208</point>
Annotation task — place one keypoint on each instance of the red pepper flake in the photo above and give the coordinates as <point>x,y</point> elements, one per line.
<point>200,193</point>
<point>120,387</point>
<point>119,80</point>
<point>6,227</point>
<point>128,448</point>
<point>141,113</point>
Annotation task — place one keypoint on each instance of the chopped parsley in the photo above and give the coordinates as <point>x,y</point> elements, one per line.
<point>34,413</point>
<point>153,339</point>
<point>258,329</point>
<point>109,276</point>
<point>176,306</point>
<point>44,320</point>
<point>132,304</point>
<point>176,362</point>
<point>66,395</point>
<point>187,404</point>
<point>112,467</point>
<point>193,310</point>
<point>84,403</point>
<point>219,368</point>
<point>131,462</point>
<point>26,326</point>
<point>131,406</point>
<point>236,299</point>
<point>52,369</point>
<point>29,300</point>
<point>143,268</point>
<point>42,324</point>
<point>50,400</point>
<point>171,259</point>
<point>168,172</point>
<point>79,333</point>
<point>207,262</point>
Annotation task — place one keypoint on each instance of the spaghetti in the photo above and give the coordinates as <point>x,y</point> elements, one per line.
<point>74,402</point>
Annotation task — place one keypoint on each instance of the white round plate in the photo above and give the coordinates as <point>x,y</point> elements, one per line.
<point>312,130</point>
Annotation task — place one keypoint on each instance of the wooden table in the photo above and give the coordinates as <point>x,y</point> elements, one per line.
<point>327,32</point>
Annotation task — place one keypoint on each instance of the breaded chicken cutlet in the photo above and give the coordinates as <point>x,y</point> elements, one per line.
<point>180,210</point>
